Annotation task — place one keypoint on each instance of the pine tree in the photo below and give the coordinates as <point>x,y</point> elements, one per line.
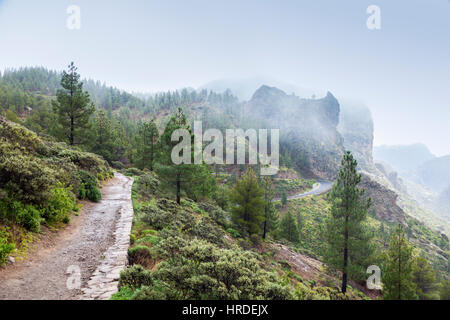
<point>398,273</point>
<point>248,200</point>
<point>194,180</point>
<point>444,290</point>
<point>288,228</point>
<point>300,222</point>
<point>271,218</point>
<point>73,107</point>
<point>425,280</point>
<point>148,144</point>
<point>348,246</point>
<point>284,199</point>
<point>104,137</point>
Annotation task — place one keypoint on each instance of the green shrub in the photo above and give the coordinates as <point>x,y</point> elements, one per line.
<point>285,265</point>
<point>234,233</point>
<point>158,291</point>
<point>117,165</point>
<point>149,232</point>
<point>201,270</point>
<point>59,205</point>
<point>148,239</point>
<point>135,277</point>
<point>255,240</point>
<point>304,292</point>
<point>151,214</point>
<point>6,246</point>
<point>124,293</point>
<point>140,255</point>
<point>88,187</point>
<point>14,211</point>
<point>147,185</point>
<point>207,229</point>
<point>130,172</point>
<point>216,213</point>
<point>25,177</point>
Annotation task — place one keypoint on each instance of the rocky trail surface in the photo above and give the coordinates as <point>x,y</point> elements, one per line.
<point>84,260</point>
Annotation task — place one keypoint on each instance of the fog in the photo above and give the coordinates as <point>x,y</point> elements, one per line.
<point>401,71</point>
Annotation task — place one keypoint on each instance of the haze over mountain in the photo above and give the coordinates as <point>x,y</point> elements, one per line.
<point>400,71</point>
<point>403,158</point>
<point>244,88</point>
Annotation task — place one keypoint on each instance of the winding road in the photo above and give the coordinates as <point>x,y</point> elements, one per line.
<point>83,260</point>
<point>321,187</point>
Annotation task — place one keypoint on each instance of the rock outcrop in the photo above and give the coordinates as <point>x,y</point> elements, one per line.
<point>384,201</point>
<point>308,128</point>
<point>356,127</point>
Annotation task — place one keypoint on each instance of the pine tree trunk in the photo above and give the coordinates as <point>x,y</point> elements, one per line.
<point>151,158</point>
<point>178,189</point>
<point>71,139</point>
<point>265,228</point>
<point>344,271</point>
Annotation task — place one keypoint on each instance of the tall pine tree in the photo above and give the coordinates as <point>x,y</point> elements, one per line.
<point>397,275</point>
<point>248,200</point>
<point>288,228</point>
<point>195,180</point>
<point>271,218</point>
<point>424,278</point>
<point>73,107</point>
<point>148,144</point>
<point>348,246</point>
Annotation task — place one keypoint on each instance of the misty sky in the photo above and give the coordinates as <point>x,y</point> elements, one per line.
<point>402,72</point>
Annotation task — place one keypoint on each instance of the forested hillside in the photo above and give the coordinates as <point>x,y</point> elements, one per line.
<point>212,231</point>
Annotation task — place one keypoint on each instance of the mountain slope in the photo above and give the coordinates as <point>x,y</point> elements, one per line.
<point>403,158</point>
<point>308,128</point>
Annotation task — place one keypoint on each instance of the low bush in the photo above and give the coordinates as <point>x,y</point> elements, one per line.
<point>151,214</point>
<point>200,270</point>
<point>140,255</point>
<point>117,165</point>
<point>135,277</point>
<point>88,187</point>
<point>6,245</point>
<point>207,229</point>
<point>130,172</point>
<point>27,216</point>
<point>147,185</point>
<point>303,292</point>
<point>59,205</point>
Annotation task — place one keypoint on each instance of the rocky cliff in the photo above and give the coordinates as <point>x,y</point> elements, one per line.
<point>308,128</point>
<point>384,200</point>
<point>356,127</point>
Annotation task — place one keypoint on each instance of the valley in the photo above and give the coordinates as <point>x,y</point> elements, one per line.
<point>201,230</point>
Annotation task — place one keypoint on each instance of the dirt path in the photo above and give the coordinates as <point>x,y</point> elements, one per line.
<point>44,275</point>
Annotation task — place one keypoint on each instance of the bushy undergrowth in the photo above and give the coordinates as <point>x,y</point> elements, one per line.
<point>88,187</point>
<point>189,256</point>
<point>189,251</point>
<point>38,178</point>
<point>6,245</point>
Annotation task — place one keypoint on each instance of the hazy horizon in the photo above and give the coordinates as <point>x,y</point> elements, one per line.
<point>401,72</point>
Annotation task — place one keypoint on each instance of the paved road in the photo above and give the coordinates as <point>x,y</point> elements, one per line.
<point>44,275</point>
<point>322,186</point>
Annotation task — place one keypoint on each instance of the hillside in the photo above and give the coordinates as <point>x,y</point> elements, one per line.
<point>308,128</point>
<point>40,181</point>
<point>435,173</point>
<point>227,266</point>
<point>188,234</point>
